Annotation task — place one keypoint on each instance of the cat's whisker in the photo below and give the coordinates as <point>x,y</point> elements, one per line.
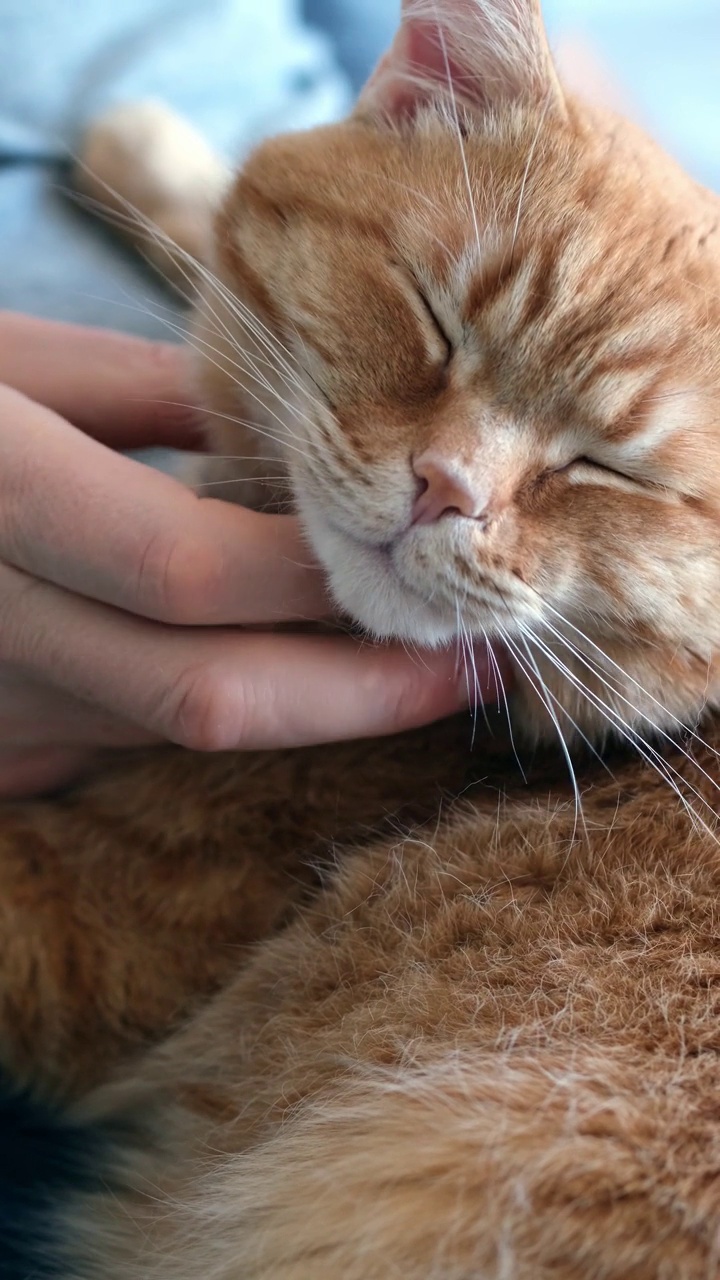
<point>152,309</point>
<point>203,349</point>
<point>250,369</point>
<point>213,484</point>
<point>533,639</point>
<point>252,321</point>
<point>255,427</point>
<point>549,700</point>
<point>414,649</point>
<point>501,694</point>
<point>474,687</point>
<point>532,673</point>
<point>202,411</point>
<point>302,372</point>
<point>291,377</point>
<point>456,119</point>
<point>478,699</point>
<point>237,457</point>
<point>138,222</point>
<point>632,735</point>
<point>458,641</point>
<point>260,334</point>
<point>462,649</point>
<point>190,337</point>
<point>477,682</point>
<point>193,267</point>
<point>617,693</point>
<point>526,174</point>
<point>609,713</point>
<point>625,674</point>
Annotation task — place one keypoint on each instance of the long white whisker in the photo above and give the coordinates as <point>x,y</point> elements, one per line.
<point>538,684</point>
<point>500,693</point>
<point>191,339</point>
<point>615,692</point>
<point>252,324</point>
<point>456,117</point>
<point>477,683</point>
<point>462,641</point>
<point>204,348</point>
<point>579,814</point>
<point>627,676</point>
<point>477,697</point>
<point>533,639</point>
<point>636,740</point>
<point>525,177</point>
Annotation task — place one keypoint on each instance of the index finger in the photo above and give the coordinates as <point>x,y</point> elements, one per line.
<point>219,689</point>
<point>102,525</point>
<point>111,385</point>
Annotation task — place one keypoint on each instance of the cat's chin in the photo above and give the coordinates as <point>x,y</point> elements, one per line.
<point>366,586</point>
<point>370,591</point>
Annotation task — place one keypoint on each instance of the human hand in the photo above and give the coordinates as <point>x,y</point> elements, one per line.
<point>121,591</point>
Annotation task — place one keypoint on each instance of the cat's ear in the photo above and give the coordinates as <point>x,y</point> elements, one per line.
<point>483,52</point>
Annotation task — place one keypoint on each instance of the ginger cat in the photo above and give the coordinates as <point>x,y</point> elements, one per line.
<point>477,329</point>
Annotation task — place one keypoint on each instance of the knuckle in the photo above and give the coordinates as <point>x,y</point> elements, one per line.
<point>197,714</point>
<point>168,360</point>
<point>408,700</point>
<point>163,375</point>
<point>179,580</point>
<point>20,635</point>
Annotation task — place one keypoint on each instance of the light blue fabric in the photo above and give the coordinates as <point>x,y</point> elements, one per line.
<point>239,69</point>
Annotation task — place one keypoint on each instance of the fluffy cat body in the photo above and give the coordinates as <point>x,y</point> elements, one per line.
<point>486,1045</point>
<point>480,1048</point>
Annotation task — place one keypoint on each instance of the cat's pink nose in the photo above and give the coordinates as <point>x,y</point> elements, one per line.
<point>447,490</point>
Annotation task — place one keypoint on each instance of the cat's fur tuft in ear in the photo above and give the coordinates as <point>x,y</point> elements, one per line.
<point>482,53</point>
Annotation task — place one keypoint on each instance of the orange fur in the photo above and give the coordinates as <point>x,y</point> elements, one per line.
<point>486,1047</point>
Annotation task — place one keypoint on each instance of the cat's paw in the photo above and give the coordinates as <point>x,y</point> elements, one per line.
<point>158,176</point>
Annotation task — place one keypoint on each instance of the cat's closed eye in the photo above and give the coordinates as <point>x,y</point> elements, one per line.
<point>438,325</point>
<point>585,463</point>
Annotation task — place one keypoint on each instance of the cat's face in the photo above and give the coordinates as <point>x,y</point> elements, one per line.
<point>492,357</point>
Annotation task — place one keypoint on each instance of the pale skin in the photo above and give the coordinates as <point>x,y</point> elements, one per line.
<point>123,596</point>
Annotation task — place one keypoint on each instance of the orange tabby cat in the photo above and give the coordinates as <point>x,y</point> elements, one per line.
<point>477,328</point>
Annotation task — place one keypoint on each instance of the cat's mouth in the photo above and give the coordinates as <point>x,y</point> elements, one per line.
<point>396,590</point>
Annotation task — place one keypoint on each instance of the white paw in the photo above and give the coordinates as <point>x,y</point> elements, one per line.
<point>151,157</point>
<point>157,173</point>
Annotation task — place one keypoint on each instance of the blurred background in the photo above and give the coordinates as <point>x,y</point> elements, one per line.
<point>240,69</point>
<point>665,53</point>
